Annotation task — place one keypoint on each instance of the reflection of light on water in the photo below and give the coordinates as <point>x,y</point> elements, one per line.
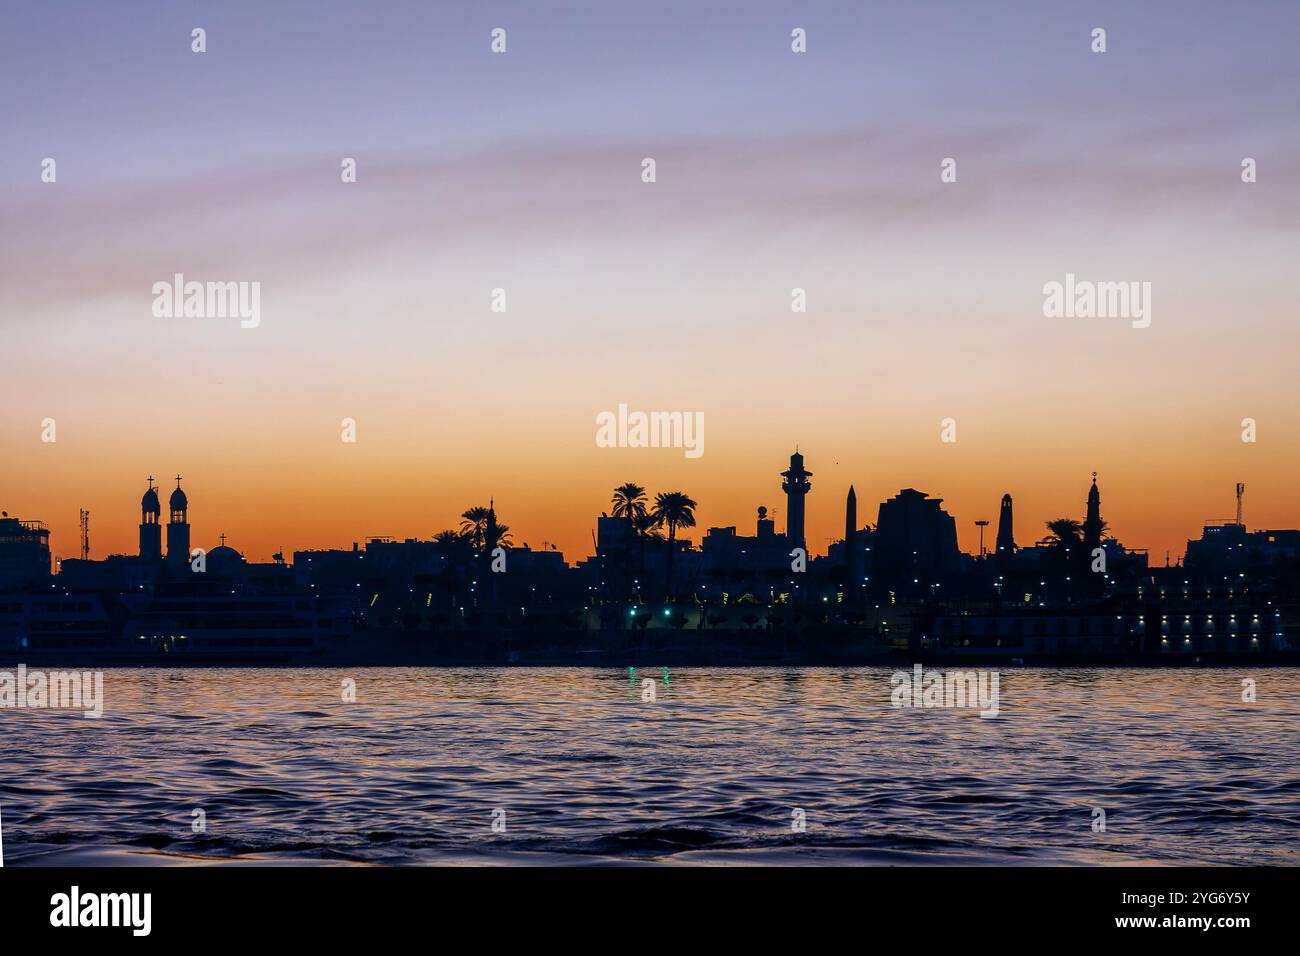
<point>1186,772</point>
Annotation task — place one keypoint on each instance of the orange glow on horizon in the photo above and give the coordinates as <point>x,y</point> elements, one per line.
<point>550,484</point>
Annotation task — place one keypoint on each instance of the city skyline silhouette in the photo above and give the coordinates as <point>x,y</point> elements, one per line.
<point>727,434</point>
<point>773,507</point>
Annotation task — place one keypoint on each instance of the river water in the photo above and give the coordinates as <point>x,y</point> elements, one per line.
<point>734,766</point>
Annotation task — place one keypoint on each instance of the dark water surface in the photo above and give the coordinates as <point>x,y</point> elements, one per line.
<point>710,772</point>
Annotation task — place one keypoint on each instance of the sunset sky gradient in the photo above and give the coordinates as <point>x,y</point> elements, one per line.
<point>522,171</point>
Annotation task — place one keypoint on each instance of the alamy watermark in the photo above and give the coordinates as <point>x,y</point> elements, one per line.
<point>1085,299</point>
<point>208,300</point>
<point>933,688</point>
<point>55,690</point>
<point>624,429</point>
<point>75,908</point>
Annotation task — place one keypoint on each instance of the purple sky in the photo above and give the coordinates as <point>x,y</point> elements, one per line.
<point>775,170</point>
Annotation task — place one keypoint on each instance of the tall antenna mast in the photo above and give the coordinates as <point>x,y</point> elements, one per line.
<point>85,535</point>
<point>1241,491</point>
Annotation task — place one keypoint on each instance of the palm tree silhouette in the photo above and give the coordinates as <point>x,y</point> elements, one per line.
<point>1065,533</point>
<point>675,509</point>
<point>482,530</point>
<point>452,545</point>
<point>1066,544</point>
<point>496,535</point>
<point>630,504</point>
<point>485,534</point>
<point>474,527</point>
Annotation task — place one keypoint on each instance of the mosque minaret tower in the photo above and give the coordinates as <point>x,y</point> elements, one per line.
<point>795,486</point>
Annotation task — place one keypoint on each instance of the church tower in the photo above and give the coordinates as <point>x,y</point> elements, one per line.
<point>1006,536</point>
<point>795,486</point>
<point>150,529</point>
<point>178,528</point>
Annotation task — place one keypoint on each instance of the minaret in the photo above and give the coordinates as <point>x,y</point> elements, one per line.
<point>178,528</point>
<point>795,486</point>
<point>851,535</point>
<point>150,529</point>
<point>1092,523</point>
<point>1006,536</point>
<point>851,516</point>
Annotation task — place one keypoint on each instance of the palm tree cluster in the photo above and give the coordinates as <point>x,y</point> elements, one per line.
<point>480,533</point>
<point>1065,534</point>
<point>671,510</point>
<point>1066,549</point>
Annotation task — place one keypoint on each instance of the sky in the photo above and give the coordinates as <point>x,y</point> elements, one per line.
<point>523,171</point>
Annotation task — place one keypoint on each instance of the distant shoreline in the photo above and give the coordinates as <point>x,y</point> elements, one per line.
<point>648,657</point>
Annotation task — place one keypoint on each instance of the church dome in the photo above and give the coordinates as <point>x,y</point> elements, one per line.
<point>224,561</point>
<point>178,501</point>
<point>223,554</point>
<point>149,504</point>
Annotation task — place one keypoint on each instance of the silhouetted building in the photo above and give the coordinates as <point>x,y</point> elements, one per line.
<point>735,564</point>
<point>222,561</point>
<point>623,559</point>
<point>795,486</point>
<point>116,572</point>
<point>150,529</point>
<point>1006,535</point>
<point>178,528</point>
<point>614,535</point>
<point>24,553</point>
<point>1228,548</point>
<point>915,536</point>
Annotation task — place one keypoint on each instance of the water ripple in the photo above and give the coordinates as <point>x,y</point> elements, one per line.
<point>579,769</point>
